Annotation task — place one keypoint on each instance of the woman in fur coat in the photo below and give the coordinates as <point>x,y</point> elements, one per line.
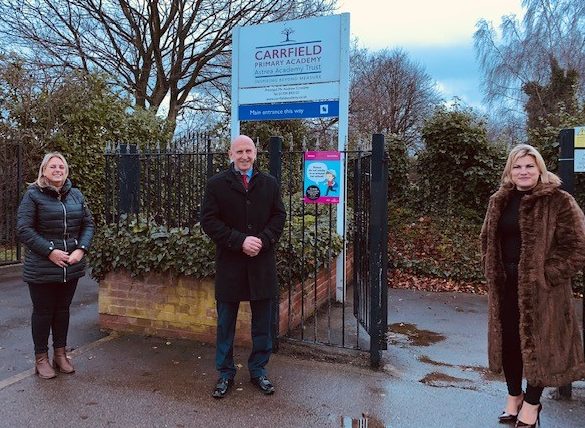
<point>533,243</point>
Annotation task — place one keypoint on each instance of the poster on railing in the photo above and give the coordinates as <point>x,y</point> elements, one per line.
<point>321,177</point>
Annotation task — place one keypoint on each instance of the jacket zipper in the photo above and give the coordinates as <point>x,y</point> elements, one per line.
<point>64,235</point>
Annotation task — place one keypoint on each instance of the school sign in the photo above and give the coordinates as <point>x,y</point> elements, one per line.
<point>291,70</point>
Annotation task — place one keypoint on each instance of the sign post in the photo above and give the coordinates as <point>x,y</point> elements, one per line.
<point>571,160</point>
<point>295,70</point>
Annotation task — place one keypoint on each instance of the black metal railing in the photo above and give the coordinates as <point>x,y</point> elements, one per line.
<point>164,184</point>
<point>12,186</point>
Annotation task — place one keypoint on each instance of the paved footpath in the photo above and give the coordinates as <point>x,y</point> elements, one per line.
<point>434,375</point>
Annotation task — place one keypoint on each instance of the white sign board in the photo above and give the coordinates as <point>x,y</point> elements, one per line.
<point>290,93</point>
<point>290,65</point>
<point>290,53</point>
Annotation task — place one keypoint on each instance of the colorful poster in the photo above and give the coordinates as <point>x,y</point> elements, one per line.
<point>580,137</point>
<point>321,177</point>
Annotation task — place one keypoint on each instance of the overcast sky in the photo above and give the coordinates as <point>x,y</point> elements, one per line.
<point>437,34</point>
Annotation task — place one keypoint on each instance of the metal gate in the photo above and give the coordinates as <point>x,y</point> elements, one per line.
<point>338,298</point>
<point>11,180</point>
<point>370,303</point>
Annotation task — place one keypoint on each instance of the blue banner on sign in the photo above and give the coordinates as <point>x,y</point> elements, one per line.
<point>289,110</point>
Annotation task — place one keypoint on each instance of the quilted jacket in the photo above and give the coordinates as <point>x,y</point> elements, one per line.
<point>49,220</point>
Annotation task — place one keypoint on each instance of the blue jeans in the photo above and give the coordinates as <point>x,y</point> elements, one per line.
<point>227,313</point>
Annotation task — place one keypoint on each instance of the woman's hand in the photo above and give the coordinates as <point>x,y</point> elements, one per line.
<point>60,258</point>
<point>76,256</point>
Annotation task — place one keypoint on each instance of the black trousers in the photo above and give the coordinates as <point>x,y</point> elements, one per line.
<point>227,313</point>
<point>51,313</point>
<point>511,347</point>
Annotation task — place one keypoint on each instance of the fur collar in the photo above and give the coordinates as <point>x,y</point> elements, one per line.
<point>539,191</point>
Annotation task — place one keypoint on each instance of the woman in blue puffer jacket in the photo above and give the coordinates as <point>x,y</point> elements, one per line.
<point>56,227</point>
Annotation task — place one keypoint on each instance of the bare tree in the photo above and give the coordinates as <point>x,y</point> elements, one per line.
<point>158,51</point>
<point>389,94</point>
<point>521,51</point>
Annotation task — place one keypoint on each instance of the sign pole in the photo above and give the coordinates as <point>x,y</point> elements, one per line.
<point>567,174</point>
<point>235,128</point>
<point>342,138</point>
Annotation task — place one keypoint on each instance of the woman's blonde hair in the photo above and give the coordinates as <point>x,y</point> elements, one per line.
<point>522,150</point>
<point>41,180</point>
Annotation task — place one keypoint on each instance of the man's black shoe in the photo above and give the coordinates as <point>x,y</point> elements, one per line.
<point>222,387</point>
<point>263,384</point>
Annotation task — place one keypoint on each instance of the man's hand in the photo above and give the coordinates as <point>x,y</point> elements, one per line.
<point>252,246</point>
<point>60,258</point>
<point>76,256</point>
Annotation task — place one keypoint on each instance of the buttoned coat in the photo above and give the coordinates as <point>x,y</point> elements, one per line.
<point>49,220</point>
<point>229,214</point>
<point>552,230</point>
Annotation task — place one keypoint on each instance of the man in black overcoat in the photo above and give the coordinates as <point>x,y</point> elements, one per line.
<point>244,215</point>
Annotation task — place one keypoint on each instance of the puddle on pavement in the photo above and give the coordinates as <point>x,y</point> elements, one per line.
<point>483,371</point>
<point>442,380</point>
<point>425,359</point>
<point>365,421</point>
<point>377,390</point>
<point>416,336</point>
<point>469,311</point>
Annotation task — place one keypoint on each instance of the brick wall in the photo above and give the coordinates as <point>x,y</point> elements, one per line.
<point>184,307</point>
<point>303,295</point>
<point>304,298</point>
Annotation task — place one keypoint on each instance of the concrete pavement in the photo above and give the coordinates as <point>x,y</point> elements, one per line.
<point>434,375</point>
<point>16,352</point>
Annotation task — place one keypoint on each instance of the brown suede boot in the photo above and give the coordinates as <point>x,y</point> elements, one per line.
<point>42,366</point>
<point>61,362</point>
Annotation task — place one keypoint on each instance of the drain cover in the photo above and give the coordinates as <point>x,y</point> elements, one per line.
<point>361,422</point>
<point>348,422</point>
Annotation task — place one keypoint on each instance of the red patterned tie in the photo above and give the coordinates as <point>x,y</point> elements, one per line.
<point>245,181</point>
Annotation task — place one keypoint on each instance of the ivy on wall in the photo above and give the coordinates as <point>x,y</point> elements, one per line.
<point>140,246</point>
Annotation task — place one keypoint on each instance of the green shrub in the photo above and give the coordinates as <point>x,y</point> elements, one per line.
<point>140,246</point>
<point>308,250</point>
<point>458,167</point>
<point>433,246</point>
<point>440,246</point>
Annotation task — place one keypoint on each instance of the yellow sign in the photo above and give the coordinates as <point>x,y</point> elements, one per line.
<point>580,137</point>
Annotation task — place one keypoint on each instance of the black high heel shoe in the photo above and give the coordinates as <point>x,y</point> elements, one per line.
<point>519,423</point>
<point>509,418</point>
